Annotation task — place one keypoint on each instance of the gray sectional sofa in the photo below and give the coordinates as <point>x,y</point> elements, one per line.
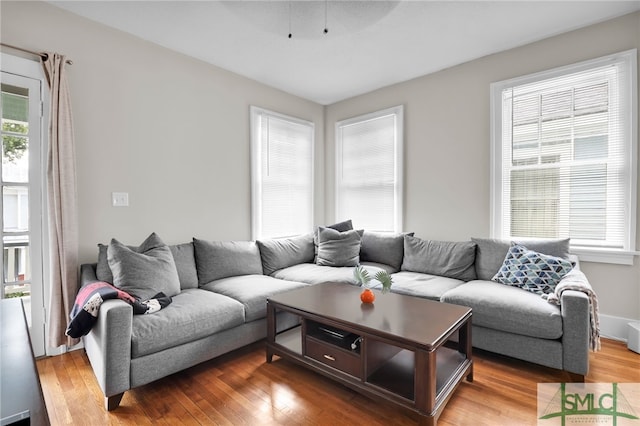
<point>220,304</point>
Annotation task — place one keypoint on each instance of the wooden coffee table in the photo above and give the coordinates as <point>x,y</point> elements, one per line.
<point>398,349</point>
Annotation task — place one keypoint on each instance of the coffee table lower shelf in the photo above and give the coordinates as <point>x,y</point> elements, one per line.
<point>420,380</point>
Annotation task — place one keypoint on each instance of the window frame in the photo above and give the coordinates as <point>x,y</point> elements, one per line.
<point>256,183</point>
<point>398,112</point>
<point>589,254</point>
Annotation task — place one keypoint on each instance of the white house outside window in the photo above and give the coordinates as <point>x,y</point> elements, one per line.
<point>369,170</point>
<point>564,157</point>
<point>282,174</point>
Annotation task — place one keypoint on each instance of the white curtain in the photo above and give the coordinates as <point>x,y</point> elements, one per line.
<point>62,204</point>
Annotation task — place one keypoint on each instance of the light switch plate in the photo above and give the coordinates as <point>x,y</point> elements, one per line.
<point>120,199</point>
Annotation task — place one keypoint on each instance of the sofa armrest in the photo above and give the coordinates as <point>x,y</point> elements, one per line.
<point>108,346</point>
<point>574,307</point>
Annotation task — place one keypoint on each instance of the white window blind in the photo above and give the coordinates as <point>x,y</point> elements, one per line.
<point>282,174</point>
<point>369,170</point>
<point>563,158</point>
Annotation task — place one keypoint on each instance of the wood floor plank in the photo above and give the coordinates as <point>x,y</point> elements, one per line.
<point>240,388</point>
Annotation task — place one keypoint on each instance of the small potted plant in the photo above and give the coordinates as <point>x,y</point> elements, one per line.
<point>363,279</point>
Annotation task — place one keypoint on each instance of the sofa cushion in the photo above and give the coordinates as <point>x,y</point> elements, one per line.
<point>252,291</point>
<point>315,274</point>
<point>491,252</point>
<point>146,272</point>
<point>532,271</point>
<point>422,285</point>
<point>338,248</point>
<point>508,309</point>
<point>343,226</point>
<point>380,247</point>
<point>447,259</point>
<point>193,314</point>
<point>222,259</point>
<point>184,257</point>
<point>283,252</point>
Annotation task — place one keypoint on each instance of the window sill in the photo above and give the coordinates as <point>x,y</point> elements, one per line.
<point>618,257</point>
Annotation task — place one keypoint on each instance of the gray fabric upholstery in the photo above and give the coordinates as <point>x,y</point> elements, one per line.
<point>108,346</point>
<point>547,352</point>
<point>252,291</point>
<point>222,259</point>
<point>157,365</point>
<point>338,248</point>
<point>382,247</point>
<point>491,252</point>
<point>284,252</point>
<point>574,306</point>
<point>509,309</point>
<point>145,272</point>
<point>103,272</point>
<point>184,257</point>
<point>344,226</point>
<point>193,314</point>
<point>448,259</point>
<point>422,285</point>
<point>315,274</point>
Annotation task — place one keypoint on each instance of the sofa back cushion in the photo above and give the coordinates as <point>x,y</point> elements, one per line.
<point>221,259</point>
<point>491,252</point>
<point>145,272</point>
<point>279,253</point>
<point>183,256</point>
<point>381,247</point>
<point>444,258</point>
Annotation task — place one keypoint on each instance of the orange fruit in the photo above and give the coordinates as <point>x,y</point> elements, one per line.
<point>367,296</point>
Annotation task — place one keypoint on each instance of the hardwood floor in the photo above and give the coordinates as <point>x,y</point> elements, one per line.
<point>241,389</point>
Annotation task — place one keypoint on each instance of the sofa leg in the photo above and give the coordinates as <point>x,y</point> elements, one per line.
<point>576,378</point>
<point>112,402</point>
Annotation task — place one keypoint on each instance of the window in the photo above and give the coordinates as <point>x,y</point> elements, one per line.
<point>564,157</point>
<point>369,170</point>
<point>23,96</point>
<point>282,174</point>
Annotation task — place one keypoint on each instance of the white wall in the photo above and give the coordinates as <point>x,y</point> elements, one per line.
<point>447,145</point>
<point>170,130</point>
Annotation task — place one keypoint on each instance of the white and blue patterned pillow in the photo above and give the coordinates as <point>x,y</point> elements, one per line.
<point>532,271</point>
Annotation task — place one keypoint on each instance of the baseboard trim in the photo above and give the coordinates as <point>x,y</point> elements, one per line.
<point>615,328</point>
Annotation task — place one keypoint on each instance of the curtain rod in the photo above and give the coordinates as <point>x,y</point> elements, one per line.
<point>43,55</point>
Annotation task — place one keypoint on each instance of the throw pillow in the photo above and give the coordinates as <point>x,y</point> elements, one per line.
<point>532,271</point>
<point>444,258</point>
<point>491,252</point>
<point>146,272</point>
<point>381,247</point>
<point>346,225</point>
<point>221,259</point>
<point>280,253</point>
<point>338,248</point>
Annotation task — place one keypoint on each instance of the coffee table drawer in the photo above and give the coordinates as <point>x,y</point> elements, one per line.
<point>335,357</point>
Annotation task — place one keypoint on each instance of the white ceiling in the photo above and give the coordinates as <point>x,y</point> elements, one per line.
<point>370,44</point>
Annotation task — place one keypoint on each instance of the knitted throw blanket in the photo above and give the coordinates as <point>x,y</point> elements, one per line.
<point>576,280</point>
<point>90,297</point>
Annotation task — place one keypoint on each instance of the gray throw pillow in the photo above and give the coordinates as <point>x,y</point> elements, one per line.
<point>280,253</point>
<point>346,225</point>
<point>491,252</point>
<point>381,247</point>
<point>221,259</point>
<point>338,248</point>
<point>444,258</point>
<point>146,272</point>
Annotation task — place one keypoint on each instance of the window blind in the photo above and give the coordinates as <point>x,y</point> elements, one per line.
<point>368,183</point>
<point>283,176</point>
<point>566,144</point>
